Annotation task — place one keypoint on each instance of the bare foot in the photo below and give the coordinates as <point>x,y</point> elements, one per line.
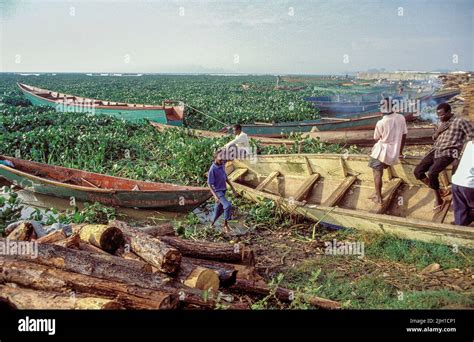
<point>437,208</point>
<point>226,229</point>
<point>376,199</point>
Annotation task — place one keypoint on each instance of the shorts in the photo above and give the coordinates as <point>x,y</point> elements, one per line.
<point>377,164</point>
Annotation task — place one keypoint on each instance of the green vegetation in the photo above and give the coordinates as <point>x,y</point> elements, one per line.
<point>417,253</point>
<point>222,97</point>
<point>10,208</point>
<point>354,287</point>
<point>108,145</point>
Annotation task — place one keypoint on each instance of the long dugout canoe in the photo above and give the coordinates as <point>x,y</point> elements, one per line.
<point>209,134</point>
<point>284,129</point>
<point>94,187</point>
<point>347,106</point>
<point>415,136</point>
<point>336,189</point>
<point>167,114</point>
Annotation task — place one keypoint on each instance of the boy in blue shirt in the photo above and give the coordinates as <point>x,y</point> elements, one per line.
<point>217,182</point>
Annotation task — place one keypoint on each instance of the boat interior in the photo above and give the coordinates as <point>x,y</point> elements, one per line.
<point>342,181</point>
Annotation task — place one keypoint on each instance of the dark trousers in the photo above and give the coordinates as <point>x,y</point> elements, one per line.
<point>463,205</point>
<point>433,166</point>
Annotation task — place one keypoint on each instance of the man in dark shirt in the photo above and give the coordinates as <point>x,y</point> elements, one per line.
<point>217,182</point>
<point>449,138</point>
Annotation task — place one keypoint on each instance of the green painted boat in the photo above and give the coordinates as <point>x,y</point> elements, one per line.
<point>94,187</point>
<point>168,113</point>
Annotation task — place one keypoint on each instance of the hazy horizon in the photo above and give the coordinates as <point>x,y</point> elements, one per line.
<point>235,37</point>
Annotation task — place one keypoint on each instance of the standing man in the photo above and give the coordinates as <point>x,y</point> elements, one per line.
<point>217,182</point>
<point>240,144</point>
<point>449,137</point>
<point>390,133</point>
<point>463,188</point>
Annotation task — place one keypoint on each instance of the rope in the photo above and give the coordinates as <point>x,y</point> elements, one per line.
<point>209,116</point>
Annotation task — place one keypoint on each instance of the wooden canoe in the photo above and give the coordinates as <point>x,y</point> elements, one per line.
<point>441,96</point>
<point>93,187</point>
<point>336,189</point>
<point>209,134</point>
<point>167,113</point>
<point>415,136</point>
<point>346,106</point>
<point>284,129</point>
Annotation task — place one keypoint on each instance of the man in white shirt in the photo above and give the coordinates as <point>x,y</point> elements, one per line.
<point>390,133</point>
<point>463,188</point>
<point>240,145</point>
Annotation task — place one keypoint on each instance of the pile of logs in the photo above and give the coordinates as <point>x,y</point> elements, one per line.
<point>117,266</point>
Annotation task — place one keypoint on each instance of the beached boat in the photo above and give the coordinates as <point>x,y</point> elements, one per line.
<point>415,136</point>
<point>168,113</point>
<point>93,187</point>
<point>355,122</point>
<point>209,134</point>
<point>348,105</point>
<point>442,95</point>
<point>335,190</point>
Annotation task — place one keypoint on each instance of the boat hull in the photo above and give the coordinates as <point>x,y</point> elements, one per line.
<point>209,134</point>
<point>415,136</point>
<point>364,122</point>
<point>160,115</point>
<point>177,199</point>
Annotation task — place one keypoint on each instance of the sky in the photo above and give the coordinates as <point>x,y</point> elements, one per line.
<point>275,37</point>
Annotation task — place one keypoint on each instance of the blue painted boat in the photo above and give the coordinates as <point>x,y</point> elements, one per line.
<point>347,105</point>
<point>441,96</point>
<point>284,129</point>
<point>167,113</point>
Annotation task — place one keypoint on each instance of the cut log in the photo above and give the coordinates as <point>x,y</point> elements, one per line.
<point>70,242</point>
<point>159,254</point>
<point>98,265</point>
<point>282,294</point>
<point>228,273</point>
<point>24,232</point>
<point>237,253</point>
<point>31,275</point>
<point>123,253</point>
<point>159,230</point>
<point>114,269</point>
<point>52,237</point>
<point>6,305</point>
<point>25,299</point>
<point>87,247</point>
<point>105,237</point>
<point>197,277</point>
